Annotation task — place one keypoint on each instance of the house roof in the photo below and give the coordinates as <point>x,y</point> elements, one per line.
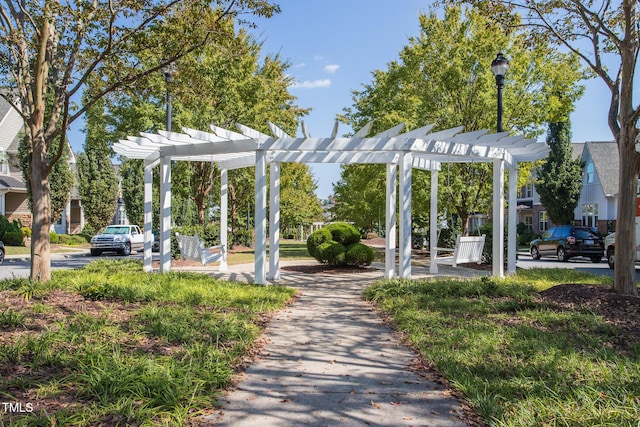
<point>11,182</point>
<point>605,157</point>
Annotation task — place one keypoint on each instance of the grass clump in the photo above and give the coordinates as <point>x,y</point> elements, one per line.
<point>111,345</point>
<point>517,359</point>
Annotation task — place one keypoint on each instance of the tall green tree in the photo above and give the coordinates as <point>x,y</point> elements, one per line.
<point>443,77</point>
<point>298,202</point>
<point>97,179</point>
<point>559,178</point>
<point>604,35</point>
<point>49,49</point>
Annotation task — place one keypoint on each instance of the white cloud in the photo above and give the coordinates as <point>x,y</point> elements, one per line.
<point>300,65</point>
<point>331,68</point>
<point>312,84</point>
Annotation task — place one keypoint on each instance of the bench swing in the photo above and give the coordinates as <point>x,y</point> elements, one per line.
<point>467,249</point>
<point>191,247</point>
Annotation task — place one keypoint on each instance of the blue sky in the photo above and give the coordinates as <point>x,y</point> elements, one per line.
<point>334,46</point>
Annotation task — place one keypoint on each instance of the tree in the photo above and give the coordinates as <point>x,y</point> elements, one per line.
<point>62,180</point>
<point>298,202</point>
<point>443,77</point>
<point>604,35</point>
<point>559,179</point>
<point>50,49</point>
<point>97,180</point>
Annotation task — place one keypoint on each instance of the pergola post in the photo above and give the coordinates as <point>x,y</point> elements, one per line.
<point>498,218</point>
<point>512,244</point>
<point>261,218</point>
<point>224,212</point>
<point>148,218</point>
<point>274,222</point>
<point>405,215</point>
<point>165,214</point>
<point>390,217</point>
<point>433,223</point>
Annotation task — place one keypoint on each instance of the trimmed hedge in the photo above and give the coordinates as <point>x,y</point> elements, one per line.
<point>338,244</point>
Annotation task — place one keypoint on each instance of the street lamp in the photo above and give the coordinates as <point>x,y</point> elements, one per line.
<point>169,71</point>
<point>499,67</point>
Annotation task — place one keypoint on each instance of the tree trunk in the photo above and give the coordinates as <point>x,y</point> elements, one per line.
<point>41,222</point>
<point>625,272</point>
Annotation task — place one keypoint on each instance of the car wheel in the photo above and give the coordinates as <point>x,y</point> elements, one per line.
<point>562,255</point>
<point>126,250</point>
<point>1,255</point>
<point>96,252</point>
<point>596,259</point>
<point>611,258</point>
<point>534,253</point>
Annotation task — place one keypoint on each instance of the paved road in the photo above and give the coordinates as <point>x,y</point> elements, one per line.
<point>19,266</point>
<point>578,263</point>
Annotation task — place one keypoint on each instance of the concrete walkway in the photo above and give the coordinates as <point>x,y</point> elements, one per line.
<point>331,361</point>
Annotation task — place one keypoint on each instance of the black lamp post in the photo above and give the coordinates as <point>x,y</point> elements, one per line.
<point>499,67</point>
<point>169,71</point>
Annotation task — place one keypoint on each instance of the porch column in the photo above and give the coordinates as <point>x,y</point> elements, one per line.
<point>148,218</point>
<point>512,235</point>
<point>390,217</point>
<point>274,222</point>
<point>224,212</point>
<point>498,218</point>
<point>261,218</point>
<point>165,214</point>
<point>405,215</point>
<point>433,223</point>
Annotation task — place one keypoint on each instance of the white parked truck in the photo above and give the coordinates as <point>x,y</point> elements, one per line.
<point>118,238</point>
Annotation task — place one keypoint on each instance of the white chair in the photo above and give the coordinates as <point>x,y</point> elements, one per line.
<point>191,247</point>
<point>467,249</point>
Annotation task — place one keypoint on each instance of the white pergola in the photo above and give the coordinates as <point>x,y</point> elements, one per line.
<point>401,152</point>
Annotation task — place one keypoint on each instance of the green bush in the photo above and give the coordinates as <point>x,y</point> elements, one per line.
<point>13,238</point>
<point>332,253</point>
<point>26,231</point>
<point>338,245</point>
<point>359,255</point>
<point>54,238</point>
<point>72,239</point>
<point>343,233</point>
<point>241,238</point>
<point>6,226</point>
<point>317,238</point>
<point>525,236</point>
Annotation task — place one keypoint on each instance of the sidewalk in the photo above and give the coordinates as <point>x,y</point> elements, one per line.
<point>330,360</point>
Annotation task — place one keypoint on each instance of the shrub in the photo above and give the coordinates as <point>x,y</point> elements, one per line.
<point>317,238</point>
<point>72,239</point>
<point>13,238</point>
<point>359,255</point>
<point>344,233</point>
<point>332,253</point>
<point>6,226</point>
<point>54,238</point>
<point>26,231</point>
<point>241,238</point>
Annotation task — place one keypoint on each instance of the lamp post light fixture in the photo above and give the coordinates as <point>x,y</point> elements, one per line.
<point>169,71</point>
<point>499,67</point>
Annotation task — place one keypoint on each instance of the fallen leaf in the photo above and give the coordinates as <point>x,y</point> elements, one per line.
<point>396,403</point>
<point>333,362</point>
<point>285,400</point>
<point>376,405</point>
<point>407,418</point>
<point>435,412</point>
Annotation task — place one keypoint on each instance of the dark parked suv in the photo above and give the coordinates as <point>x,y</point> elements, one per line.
<point>567,241</point>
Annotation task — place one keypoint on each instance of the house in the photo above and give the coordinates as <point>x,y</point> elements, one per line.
<point>598,203</point>
<point>14,204</point>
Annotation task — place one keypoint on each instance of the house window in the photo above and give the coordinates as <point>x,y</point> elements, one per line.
<point>528,191</point>
<point>590,171</point>
<point>4,162</point>
<point>543,222</point>
<point>590,214</point>
<point>528,221</point>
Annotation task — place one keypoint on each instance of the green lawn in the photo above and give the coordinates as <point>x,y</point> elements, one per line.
<point>111,345</point>
<point>289,250</point>
<point>517,360</point>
